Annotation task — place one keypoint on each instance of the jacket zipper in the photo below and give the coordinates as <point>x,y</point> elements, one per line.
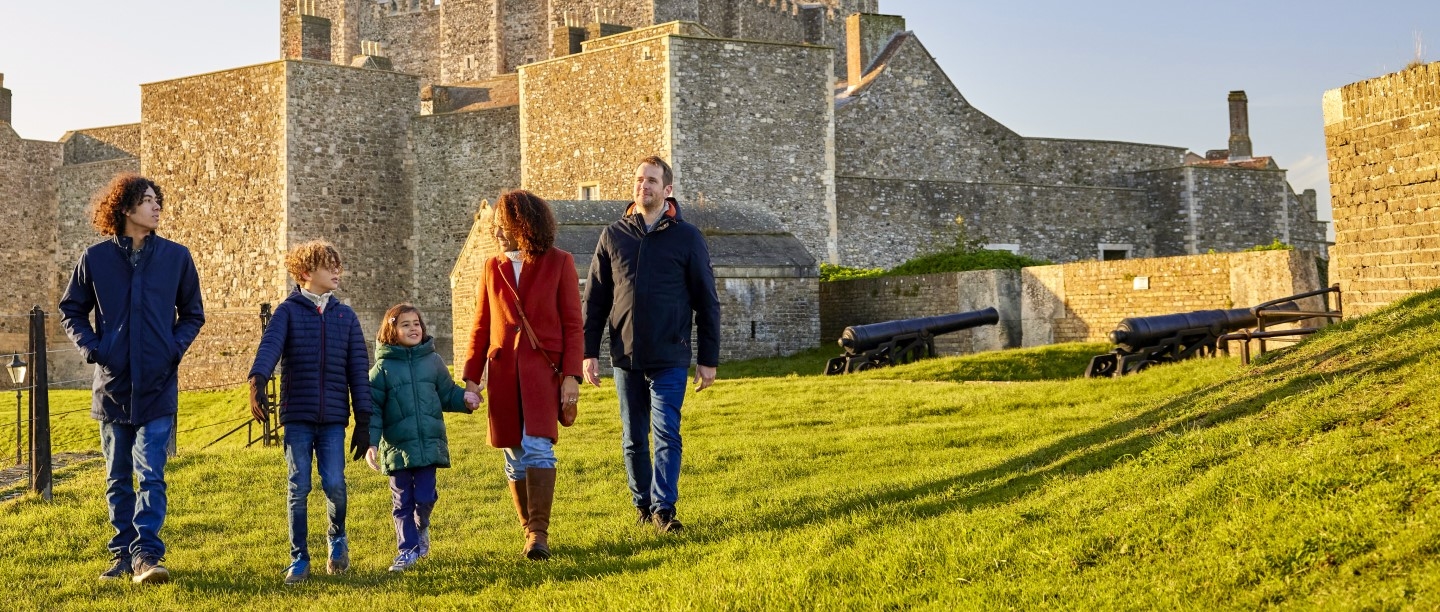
<point>415,396</point>
<point>322,363</point>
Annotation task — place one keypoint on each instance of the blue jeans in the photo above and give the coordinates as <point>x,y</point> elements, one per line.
<point>533,452</point>
<point>412,499</point>
<point>650,404</point>
<point>325,445</point>
<point>136,451</point>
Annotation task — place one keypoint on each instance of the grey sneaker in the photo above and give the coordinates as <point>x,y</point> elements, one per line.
<point>339,561</point>
<point>119,569</point>
<point>404,560</point>
<point>147,570</point>
<point>424,548</point>
<point>298,572</point>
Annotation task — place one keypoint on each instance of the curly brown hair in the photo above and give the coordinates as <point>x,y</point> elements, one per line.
<point>390,331</point>
<point>311,256</point>
<point>113,202</point>
<point>528,219</point>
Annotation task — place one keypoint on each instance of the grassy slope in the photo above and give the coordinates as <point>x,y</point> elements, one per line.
<point>1306,481</point>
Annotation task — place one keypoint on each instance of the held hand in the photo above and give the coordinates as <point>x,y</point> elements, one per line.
<point>592,371</point>
<point>259,401</point>
<point>370,456</point>
<point>704,377</point>
<point>474,387</point>
<point>472,400</point>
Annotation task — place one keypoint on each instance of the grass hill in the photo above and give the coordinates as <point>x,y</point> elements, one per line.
<point>1307,480</point>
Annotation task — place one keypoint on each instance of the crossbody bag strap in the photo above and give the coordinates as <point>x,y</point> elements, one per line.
<point>525,323</point>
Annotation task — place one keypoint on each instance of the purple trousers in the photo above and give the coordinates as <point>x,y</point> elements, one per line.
<point>413,497</point>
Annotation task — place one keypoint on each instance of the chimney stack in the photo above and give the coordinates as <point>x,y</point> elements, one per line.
<point>865,37</point>
<point>1239,126</point>
<point>4,101</point>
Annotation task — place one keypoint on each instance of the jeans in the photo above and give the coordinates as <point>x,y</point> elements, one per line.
<point>533,452</point>
<point>412,499</point>
<point>136,451</point>
<point>650,404</point>
<point>325,444</point>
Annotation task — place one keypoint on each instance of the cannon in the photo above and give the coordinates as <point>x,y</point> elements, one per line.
<point>895,342</point>
<point>1141,342</point>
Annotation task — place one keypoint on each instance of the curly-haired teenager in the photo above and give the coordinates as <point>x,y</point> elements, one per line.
<point>411,389</point>
<point>527,340</point>
<point>144,293</point>
<point>323,378</point>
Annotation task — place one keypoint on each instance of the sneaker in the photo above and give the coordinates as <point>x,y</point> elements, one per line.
<point>665,521</point>
<point>119,569</point>
<point>404,560</point>
<point>298,572</point>
<point>424,548</point>
<point>147,570</point>
<point>642,517</point>
<point>339,560</point>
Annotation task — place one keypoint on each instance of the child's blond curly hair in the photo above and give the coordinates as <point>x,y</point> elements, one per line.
<point>308,257</point>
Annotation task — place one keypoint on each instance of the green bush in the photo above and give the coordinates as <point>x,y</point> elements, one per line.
<point>832,272</point>
<point>957,259</point>
<point>1275,245</point>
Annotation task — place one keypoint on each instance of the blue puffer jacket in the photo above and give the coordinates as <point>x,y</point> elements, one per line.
<point>325,370</point>
<point>146,316</point>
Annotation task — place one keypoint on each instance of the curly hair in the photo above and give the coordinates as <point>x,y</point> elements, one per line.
<point>112,203</point>
<point>389,328</point>
<point>528,219</point>
<point>311,256</point>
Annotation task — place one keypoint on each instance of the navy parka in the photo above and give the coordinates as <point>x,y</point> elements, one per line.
<point>325,366</point>
<point>647,288</point>
<point>145,317</point>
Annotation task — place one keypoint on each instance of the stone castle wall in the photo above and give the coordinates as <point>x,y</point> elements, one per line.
<point>100,144</point>
<point>1085,301</point>
<point>1382,138</point>
<point>348,178</point>
<point>409,37</point>
<point>27,175</point>
<point>460,159</point>
<point>1096,163</point>
<point>882,223</point>
<point>776,158</point>
<point>588,118</point>
<point>876,300</point>
<point>1229,209</point>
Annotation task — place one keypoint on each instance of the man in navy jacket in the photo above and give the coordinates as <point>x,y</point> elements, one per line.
<point>144,293</point>
<point>649,279</point>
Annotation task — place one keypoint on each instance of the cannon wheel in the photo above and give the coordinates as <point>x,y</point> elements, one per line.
<point>1102,366</point>
<point>835,366</point>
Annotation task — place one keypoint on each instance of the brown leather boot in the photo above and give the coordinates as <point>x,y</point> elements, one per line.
<point>522,505</point>
<point>540,491</point>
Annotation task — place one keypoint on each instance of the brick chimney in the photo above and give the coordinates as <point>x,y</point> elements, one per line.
<point>865,37</point>
<point>4,101</point>
<point>1239,126</point>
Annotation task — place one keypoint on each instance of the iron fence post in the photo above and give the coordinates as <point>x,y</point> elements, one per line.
<point>40,460</point>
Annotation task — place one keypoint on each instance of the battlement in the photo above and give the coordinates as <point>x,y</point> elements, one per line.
<point>394,8</point>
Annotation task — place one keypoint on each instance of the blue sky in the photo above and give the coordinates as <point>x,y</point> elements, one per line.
<point>1140,71</point>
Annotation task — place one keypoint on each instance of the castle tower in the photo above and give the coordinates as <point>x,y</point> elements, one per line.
<point>1239,126</point>
<point>4,101</point>
<point>344,31</point>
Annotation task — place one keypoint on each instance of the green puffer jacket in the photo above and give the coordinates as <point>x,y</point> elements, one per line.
<point>411,388</point>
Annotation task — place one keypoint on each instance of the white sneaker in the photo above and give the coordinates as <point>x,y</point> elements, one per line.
<point>404,560</point>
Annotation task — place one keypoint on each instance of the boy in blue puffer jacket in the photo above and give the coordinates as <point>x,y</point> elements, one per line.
<point>411,389</point>
<point>323,375</point>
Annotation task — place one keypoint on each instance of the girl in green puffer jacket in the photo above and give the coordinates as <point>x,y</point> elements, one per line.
<point>411,388</point>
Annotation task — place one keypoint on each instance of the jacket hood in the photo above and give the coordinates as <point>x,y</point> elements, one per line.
<point>405,353</point>
<point>672,209</point>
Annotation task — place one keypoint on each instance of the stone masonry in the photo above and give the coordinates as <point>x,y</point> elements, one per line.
<point>1382,137</point>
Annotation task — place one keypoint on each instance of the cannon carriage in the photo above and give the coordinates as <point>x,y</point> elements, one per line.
<point>903,341</point>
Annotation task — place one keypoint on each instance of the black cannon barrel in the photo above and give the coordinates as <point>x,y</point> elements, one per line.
<point>1135,333</point>
<point>858,338</point>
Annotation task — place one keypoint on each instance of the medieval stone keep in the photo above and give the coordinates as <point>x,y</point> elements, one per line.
<point>799,133</point>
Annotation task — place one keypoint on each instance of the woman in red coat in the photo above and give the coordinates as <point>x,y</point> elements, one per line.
<point>526,348</point>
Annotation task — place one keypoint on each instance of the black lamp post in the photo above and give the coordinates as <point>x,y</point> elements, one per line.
<point>17,376</point>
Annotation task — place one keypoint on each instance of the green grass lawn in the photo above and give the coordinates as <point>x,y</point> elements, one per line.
<point>1306,481</point>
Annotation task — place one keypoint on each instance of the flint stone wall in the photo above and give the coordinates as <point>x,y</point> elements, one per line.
<point>1382,138</point>
<point>101,144</point>
<point>27,174</point>
<point>891,298</point>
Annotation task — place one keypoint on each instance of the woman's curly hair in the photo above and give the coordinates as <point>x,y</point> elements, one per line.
<point>527,218</point>
<point>310,256</point>
<point>390,329</point>
<point>111,204</point>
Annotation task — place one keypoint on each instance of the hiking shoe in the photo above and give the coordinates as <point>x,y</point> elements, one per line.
<point>404,560</point>
<point>665,521</point>
<point>424,548</point>
<point>119,569</point>
<point>339,561</point>
<point>147,570</point>
<point>298,572</point>
<point>642,517</point>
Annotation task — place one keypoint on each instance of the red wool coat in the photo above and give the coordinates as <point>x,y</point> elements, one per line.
<point>518,374</point>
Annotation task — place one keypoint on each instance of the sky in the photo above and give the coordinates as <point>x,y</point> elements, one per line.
<point>1138,71</point>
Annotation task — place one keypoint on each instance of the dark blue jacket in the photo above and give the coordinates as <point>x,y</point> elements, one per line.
<point>325,367</point>
<point>146,316</point>
<point>644,286</point>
